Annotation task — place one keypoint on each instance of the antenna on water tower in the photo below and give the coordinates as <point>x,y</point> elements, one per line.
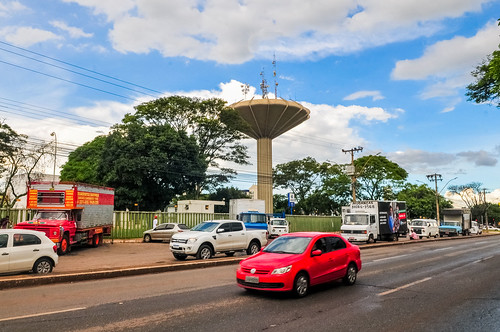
<point>263,85</point>
<point>274,75</point>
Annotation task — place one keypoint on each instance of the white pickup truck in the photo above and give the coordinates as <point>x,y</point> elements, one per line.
<point>217,236</point>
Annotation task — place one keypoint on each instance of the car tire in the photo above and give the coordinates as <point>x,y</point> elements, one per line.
<point>42,266</point>
<point>350,275</point>
<point>301,284</point>
<point>65,246</point>
<point>180,257</point>
<point>253,248</point>
<point>147,238</point>
<point>205,252</point>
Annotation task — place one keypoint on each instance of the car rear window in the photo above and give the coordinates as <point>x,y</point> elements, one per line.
<point>26,239</point>
<point>182,226</point>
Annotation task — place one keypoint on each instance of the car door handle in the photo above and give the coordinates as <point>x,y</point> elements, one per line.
<point>36,249</point>
<point>5,254</point>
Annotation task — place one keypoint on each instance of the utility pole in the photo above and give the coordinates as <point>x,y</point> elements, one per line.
<point>435,177</point>
<point>353,172</point>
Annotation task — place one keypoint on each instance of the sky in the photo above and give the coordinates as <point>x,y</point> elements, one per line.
<point>388,76</point>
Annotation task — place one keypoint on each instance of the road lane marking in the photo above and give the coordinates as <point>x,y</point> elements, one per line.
<point>482,259</point>
<point>404,286</point>
<point>388,258</point>
<point>445,248</point>
<point>42,314</point>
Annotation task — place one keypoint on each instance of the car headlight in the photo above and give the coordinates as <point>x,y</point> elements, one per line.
<point>192,240</point>
<point>282,270</point>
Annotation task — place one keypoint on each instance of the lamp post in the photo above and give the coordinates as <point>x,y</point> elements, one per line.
<point>55,158</point>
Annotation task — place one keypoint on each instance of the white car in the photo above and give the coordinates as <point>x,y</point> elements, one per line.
<point>24,250</point>
<point>277,227</point>
<point>425,227</point>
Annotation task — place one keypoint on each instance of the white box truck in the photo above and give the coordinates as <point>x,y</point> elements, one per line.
<point>369,221</point>
<point>251,211</point>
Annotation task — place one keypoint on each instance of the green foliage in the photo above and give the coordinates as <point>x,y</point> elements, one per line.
<point>149,165</point>
<point>378,177</point>
<point>84,161</point>
<point>487,85</point>
<point>421,201</point>
<point>215,127</point>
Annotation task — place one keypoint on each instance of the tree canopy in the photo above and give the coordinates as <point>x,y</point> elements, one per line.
<point>421,201</point>
<point>487,85</point>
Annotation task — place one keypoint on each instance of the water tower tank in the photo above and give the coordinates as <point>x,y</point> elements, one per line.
<point>269,118</point>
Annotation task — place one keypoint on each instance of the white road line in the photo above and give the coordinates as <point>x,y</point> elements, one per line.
<point>388,258</point>
<point>482,259</point>
<point>403,287</point>
<point>445,248</point>
<point>42,314</point>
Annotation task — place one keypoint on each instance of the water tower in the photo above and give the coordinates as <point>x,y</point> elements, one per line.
<point>268,118</point>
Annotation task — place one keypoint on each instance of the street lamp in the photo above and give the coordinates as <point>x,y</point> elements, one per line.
<point>55,158</point>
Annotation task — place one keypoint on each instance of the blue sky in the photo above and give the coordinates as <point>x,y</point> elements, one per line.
<point>388,75</point>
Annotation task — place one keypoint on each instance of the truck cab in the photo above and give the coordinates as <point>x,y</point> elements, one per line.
<point>359,227</point>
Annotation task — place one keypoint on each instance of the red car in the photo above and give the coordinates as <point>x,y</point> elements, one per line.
<point>296,261</point>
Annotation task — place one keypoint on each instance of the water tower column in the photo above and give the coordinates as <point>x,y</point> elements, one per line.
<point>265,172</point>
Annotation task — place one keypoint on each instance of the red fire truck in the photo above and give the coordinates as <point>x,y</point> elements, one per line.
<point>70,213</point>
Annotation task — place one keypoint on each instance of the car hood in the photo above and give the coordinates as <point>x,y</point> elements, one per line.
<point>270,260</point>
<point>188,235</point>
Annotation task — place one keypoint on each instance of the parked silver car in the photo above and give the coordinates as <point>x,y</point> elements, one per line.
<point>163,232</point>
<point>23,250</point>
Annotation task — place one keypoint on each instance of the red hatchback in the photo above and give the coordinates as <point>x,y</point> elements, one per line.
<point>296,261</point>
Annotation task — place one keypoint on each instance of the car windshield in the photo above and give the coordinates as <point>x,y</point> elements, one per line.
<point>450,223</point>
<point>278,222</point>
<point>418,223</point>
<point>205,226</point>
<point>288,245</point>
<point>356,219</point>
<point>54,215</point>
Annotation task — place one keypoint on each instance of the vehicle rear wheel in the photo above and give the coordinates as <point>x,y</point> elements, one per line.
<point>65,246</point>
<point>147,238</point>
<point>42,266</point>
<point>301,284</point>
<point>205,252</point>
<point>253,248</point>
<point>96,240</point>
<point>180,257</point>
<point>350,275</point>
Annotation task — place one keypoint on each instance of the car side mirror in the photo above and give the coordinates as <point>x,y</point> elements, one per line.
<point>316,252</point>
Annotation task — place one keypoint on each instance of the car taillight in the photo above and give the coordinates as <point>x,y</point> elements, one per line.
<point>180,230</point>
<point>54,248</point>
<point>365,232</point>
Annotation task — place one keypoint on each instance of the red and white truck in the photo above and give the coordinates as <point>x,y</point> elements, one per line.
<point>70,213</point>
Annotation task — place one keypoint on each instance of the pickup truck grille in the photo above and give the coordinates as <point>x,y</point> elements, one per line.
<point>247,270</point>
<point>178,241</point>
<point>350,231</point>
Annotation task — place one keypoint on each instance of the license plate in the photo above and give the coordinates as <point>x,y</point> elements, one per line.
<point>352,239</point>
<point>175,247</point>
<point>253,280</point>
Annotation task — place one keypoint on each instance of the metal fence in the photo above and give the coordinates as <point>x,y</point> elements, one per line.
<point>131,224</point>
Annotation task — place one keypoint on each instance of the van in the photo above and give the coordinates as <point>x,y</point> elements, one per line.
<point>277,227</point>
<point>425,228</point>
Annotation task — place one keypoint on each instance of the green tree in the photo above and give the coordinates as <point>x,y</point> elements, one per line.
<point>84,161</point>
<point>421,201</point>
<point>301,177</point>
<point>378,178</point>
<point>149,164</point>
<point>487,85</point>
<point>215,127</point>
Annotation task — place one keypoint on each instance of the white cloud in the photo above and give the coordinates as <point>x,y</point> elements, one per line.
<point>375,95</point>
<point>72,31</point>
<point>448,63</point>
<point>199,30</point>
<point>27,36</point>
<point>9,7</point>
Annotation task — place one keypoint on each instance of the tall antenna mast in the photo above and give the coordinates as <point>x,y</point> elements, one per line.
<point>245,88</point>
<point>274,75</point>
<point>263,85</point>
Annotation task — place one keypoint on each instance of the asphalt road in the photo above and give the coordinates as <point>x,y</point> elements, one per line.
<point>432,286</point>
